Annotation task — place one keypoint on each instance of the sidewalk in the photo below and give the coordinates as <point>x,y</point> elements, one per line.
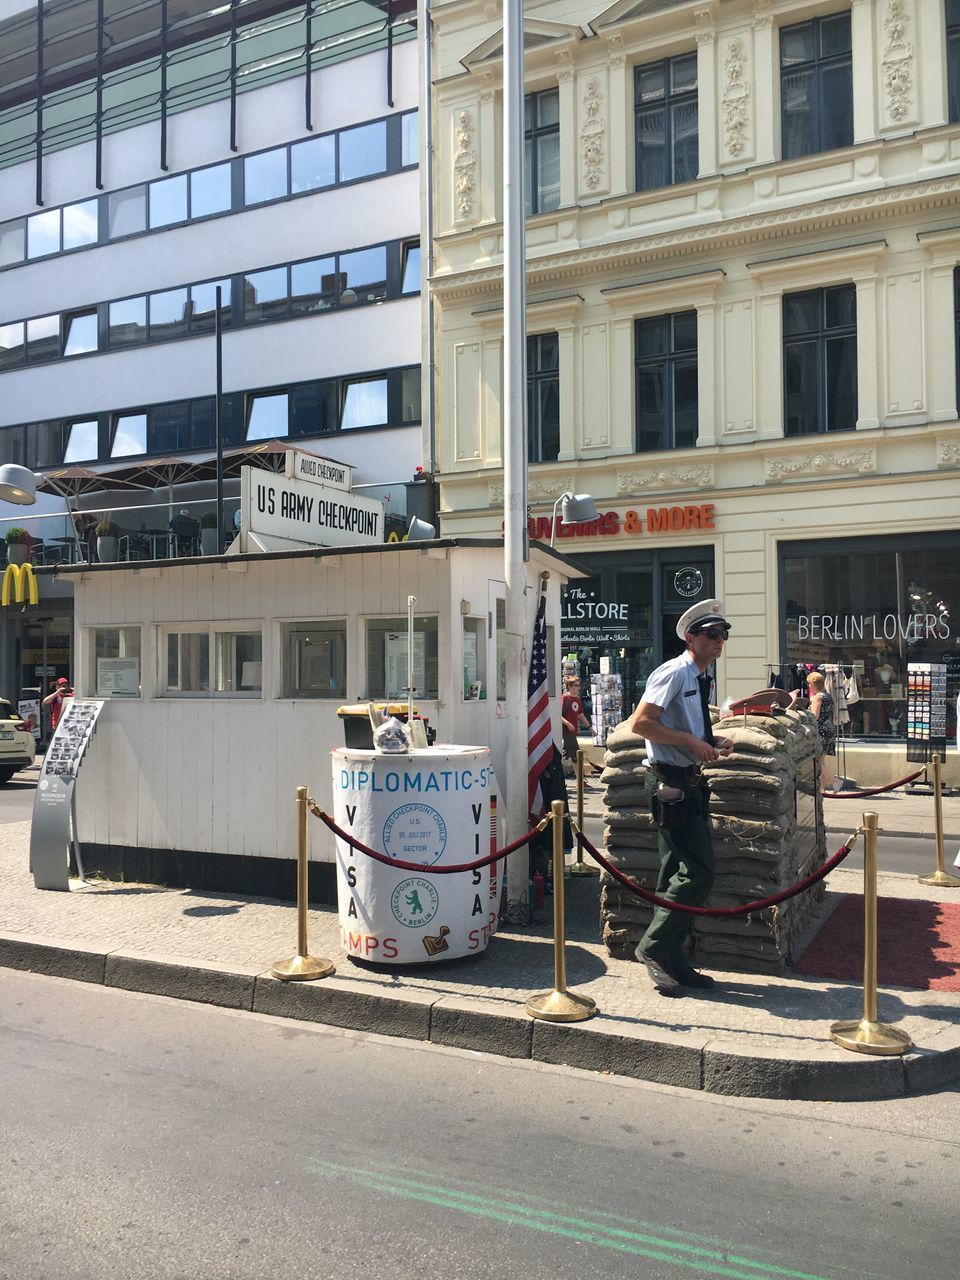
<point>757,1035</point>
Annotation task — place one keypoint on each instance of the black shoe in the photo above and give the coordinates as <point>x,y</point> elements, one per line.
<point>664,982</point>
<point>691,978</point>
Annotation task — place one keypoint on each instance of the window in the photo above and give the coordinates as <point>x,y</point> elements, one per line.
<point>116,661</point>
<point>665,104</point>
<point>410,389</point>
<point>12,345</point>
<point>474,657</point>
<point>363,151</point>
<point>667,382</point>
<point>314,660</point>
<point>80,224</point>
<point>363,275</point>
<point>267,417</point>
<point>80,333</point>
<point>43,233</point>
<point>129,435</point>
<point>953,60</point>
<point>169,311</point>
<point>126,212</point>
<point>265,295</point>
<point>411,269</point>
<point>820,360</point>
<point>203,306</point>
<point>816,86</point>
<point>238,662</point>
<point>128,322</point>
<point>82,443</point>
<point>363,403</point>
<point>313,164</point>
<point>210,191</point>
<point>168,427</point>
<point>410,138</point>
<point>13,241</point>
<point>43,339</point>
<point>265,176</point>
<point>541,151</point>
<point>387,657</point>
<point>312,286</point>
<point>168,201</point>
<point>543,397</point>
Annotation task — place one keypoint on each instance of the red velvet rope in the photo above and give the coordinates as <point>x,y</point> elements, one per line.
<point>870,791</point>
<point>748,907</point>
<point>419,866</point>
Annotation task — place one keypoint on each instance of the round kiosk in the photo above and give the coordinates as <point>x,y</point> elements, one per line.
<point>431,807</point>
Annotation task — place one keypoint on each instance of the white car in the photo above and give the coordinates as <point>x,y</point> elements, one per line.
<point>17,747</point>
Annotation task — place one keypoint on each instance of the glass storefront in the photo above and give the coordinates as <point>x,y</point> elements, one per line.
<point>626,612</point>
<point>870,606</point>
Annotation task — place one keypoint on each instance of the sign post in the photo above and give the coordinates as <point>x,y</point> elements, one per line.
<point>53,802</point>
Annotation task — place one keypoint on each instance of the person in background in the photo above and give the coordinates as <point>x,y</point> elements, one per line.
<point>573,718</point>
<point>56,700</point>
<point>821,708</point>
<point>185,532</point>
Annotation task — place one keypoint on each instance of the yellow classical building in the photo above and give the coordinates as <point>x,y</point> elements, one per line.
<point>742,302</point>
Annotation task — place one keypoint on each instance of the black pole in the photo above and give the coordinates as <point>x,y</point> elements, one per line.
<point>39,137</point>
<point>163,85</point>
<point>218,421</point>
<point>99,98</point>
<point>308,76</point>
<point>389,53</point>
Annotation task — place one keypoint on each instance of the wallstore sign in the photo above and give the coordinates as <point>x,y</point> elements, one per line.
<point>632,524</point>
<point>584,619</point>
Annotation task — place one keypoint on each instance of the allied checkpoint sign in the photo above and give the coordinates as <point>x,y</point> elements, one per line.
<point>53,801</point>
<point>307,512</point>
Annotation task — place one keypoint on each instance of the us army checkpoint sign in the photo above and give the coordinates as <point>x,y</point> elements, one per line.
<point>430,807</point>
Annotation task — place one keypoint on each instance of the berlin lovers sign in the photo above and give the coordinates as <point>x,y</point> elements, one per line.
<point>307,512</point>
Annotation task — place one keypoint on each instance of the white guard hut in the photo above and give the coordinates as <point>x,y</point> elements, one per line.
<point>223,676</point>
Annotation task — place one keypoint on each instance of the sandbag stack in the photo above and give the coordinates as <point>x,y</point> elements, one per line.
<point>756,794</point>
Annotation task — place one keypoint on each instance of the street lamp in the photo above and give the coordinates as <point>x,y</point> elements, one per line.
<point>17,484</point>
<point>575,508</point>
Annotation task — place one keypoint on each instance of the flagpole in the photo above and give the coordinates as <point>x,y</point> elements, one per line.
<point>515,538</point>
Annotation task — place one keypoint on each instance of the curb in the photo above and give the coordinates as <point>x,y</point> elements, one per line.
<point>608,1045</point>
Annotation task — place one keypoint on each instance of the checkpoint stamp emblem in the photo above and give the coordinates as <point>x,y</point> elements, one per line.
<point>414,903</point>
<point>415,833</point>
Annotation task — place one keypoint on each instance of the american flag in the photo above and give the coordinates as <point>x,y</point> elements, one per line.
<point>539,734</point>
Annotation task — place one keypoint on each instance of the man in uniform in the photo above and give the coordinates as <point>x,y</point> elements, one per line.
<point>674,719</point>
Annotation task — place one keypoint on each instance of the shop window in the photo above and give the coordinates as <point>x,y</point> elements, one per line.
<point>80,333</point>
<point>411,269</point>
<point>667,391</point>
<point>666,116</point>
<point>126,212</point>
<point>265,295</point>
<point>816,86</point>
<point>268,417</point>
<point>541,151</point>
<point>953,60</point>
<point>43,339</point>
<point>265,176</point>
<point>210,191</point>
<point>167,201</point>
<point>13,348</point>
<point>129,435</point>
<point>363,403</point>
<point>314,659</point>
<point>820,360</point>
<point>169,314</point>
<point>80,224</point>
<point>313,164</point>
<point>543,397</point>
<point>239,662</point>
<point>13,241</point>
<point>128,322</point>
<point>82,442</point>
<point>387,658</point>
<point>43,234</point>
<point>115,655</point>
<point>410,138</point>
<point>363,151</point>
<point>475,658</point>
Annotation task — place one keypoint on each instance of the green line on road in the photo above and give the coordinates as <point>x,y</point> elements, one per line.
<point>674,1252</point>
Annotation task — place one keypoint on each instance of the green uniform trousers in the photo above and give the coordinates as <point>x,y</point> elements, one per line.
<point>687,873</point>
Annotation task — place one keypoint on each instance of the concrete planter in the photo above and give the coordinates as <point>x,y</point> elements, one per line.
<point>16,552</point>
<point>208,542</point>
<point>107,549</point>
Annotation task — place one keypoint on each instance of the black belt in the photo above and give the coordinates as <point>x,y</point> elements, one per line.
<point>677,774</point>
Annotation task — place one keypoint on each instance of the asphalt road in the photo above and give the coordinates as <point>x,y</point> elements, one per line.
<point>147,1138</point>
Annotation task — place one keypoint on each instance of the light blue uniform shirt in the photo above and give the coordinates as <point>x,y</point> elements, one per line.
<point>673,686</point>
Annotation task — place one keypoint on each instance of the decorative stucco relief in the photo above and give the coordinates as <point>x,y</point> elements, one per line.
<point>948,453</point>
<point>665,478</point>
<point>762,14</point>
<point>703,19</point>
<point>564,59</point>
<point>736,98</point>
<point>897,62</point>
<point>537,490</point>
<point>803,465</point>
<point>593,136</point>
<point>616,53</point>
<point>464,165</point>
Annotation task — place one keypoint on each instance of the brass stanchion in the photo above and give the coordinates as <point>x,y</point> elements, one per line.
<point>559,1005</point>
<point>942,879</point>
<point>581,868</point>
<point>303,967</point>
<point>868,1035</point>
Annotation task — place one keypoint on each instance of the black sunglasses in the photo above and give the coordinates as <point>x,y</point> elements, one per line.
<point>716,633</point>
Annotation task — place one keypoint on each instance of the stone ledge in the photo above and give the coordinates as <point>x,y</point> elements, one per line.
<point>765,1073</point>
<point>621,1048</point>
<point>180,977</point>
<point>52,956</point>
<point>486,1026</point>
<point>342,1003</point>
